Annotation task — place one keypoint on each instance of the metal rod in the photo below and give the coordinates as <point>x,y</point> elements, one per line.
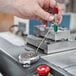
<point>43,40</point>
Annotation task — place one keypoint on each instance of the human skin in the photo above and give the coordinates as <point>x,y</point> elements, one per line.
<point>32,9</point>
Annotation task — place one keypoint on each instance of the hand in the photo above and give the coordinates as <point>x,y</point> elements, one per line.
<point>37,9</point>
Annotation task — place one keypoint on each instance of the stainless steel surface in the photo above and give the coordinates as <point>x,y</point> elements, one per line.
<point>53,47</point>
<point>62,33</point>
<point>71,70</point>
<point>61,46</point>
<point>11,50</point>
<point>65,60</point>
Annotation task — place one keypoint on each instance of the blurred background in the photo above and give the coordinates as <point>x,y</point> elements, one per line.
<point>69,16</point>
<point>27,26</point>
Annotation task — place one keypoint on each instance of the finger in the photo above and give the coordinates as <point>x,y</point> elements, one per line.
<point>43,14</point>
<point>44,23</point>
<point>46,5</point>
<point>59,22</point>
<point>52,3</point>
<point>59,12</point>
<point>59,8</point>
<point>59,16</point>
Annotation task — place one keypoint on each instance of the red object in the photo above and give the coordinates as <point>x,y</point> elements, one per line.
<point>43,70</point>
<point>55,10</point>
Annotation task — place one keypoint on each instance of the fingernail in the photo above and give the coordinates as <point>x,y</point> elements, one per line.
<point>51,18</point>
<point>44,26</point>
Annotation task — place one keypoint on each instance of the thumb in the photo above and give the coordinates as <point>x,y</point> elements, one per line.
<point>44,15</point>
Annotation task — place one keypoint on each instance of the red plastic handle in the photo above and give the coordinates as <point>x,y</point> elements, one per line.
<point>55,10</point>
